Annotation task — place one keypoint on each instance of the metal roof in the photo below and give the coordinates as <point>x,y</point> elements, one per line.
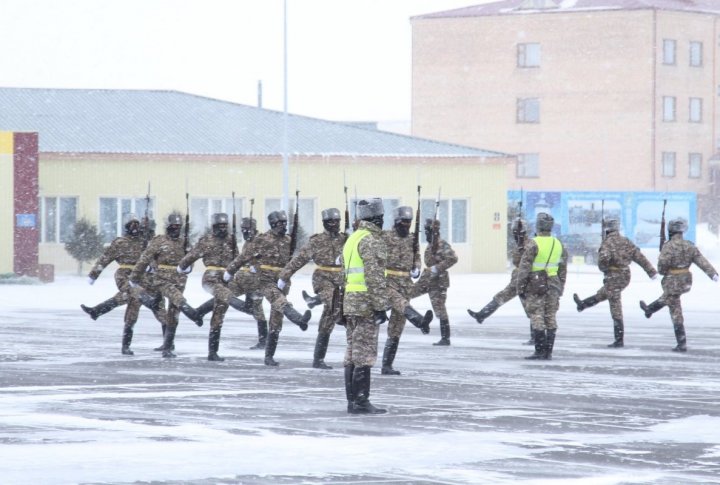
<point>521,7</point>
<point>171,122</point>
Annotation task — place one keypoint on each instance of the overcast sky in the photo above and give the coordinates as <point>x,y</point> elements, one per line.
<point>348,59</point>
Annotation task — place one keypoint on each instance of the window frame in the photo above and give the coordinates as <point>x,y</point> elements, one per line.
<point>695,110</point>
<point>211,203</point>
<point>527,110</point>
<point>695,165</point>
<point>136,206</point>
<point>669,160</point>
<point>447,217</point>
<point>522,162</point>
<point>527,56</point>
<point>306,218</point>
<point>669,117</point>
<point>695,54</point>
<point>669,57</point>
<point>61,230</point>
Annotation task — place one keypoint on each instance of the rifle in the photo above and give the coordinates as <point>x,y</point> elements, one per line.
<point>520,236</point>
<point>234,229</point>
<point>146,221</point>
<point>186,243</point>
<point>602,220</point>
<point>356,203</point>
<point>294,232</point>
<point>416,234</point>
<point>435,242</point>
<point>663,238</point>
<point>347,210</point>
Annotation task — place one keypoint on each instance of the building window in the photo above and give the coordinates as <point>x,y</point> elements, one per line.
<point>202,209</point>
<point>695,165</point>
<point>669,49</point>
<point>696,110</point>
<point>528,55</point>
<point>306,216</point>
<point>528,165</point>
<point>112,210</point>
<point>389,205</point>
<point>528,110</point>
<point>696,54</point>
<point>668,164</point>
<point>669,111</point>
<point>452,214</point>
<point>57,217</point>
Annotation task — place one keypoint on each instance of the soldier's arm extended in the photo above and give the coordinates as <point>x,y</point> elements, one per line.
<point>145,259</point>
<point>110,254</point>
<point>197,252</point>
<point>446,257</point>
<point>665,259</point>
<point>639,258</point>
<point>246,256</point>
<point>298,261</point>
<point>704,264</point>
<point>562,267</point>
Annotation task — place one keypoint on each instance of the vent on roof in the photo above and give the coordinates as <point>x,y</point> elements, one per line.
<point>537,4</point>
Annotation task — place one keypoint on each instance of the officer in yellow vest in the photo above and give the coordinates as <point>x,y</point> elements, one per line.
<point>541,281</point>
<point>365,303</point>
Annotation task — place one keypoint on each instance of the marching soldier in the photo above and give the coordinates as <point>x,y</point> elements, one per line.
<point>676,256</point>
<point>364,304</point>
<point>216,250</point>
<point>126,250</point>
<point>400,266</point>
<point>614,258</point>
<point>519,231</point>
<point>324,249</point>
<point>273,248</point>
<point>541,280</point>
<point>435,279</point>
<point>165,252</point>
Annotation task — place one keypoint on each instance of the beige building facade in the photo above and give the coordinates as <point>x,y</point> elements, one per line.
<point>591,95</point>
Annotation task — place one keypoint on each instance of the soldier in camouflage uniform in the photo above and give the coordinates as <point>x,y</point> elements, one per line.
<point>164,253</point>
<point>519,231</point>
<point>435,279</point>
<point>125,250</point>
<point>674,262</point>
<point>364,304</point>
<point>273,253</point>
<point>614,258</point>
<point>217,250</point>
<point>541,279</point>
<point>400,267</point>
<point>324,249</point>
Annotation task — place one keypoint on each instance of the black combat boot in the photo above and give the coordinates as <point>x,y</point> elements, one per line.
<point>540,342</point>
<point>619,330</point>
<point>312,301</point>
<point>214,345</point>
<point>651,308</point>
<point>486,311</point>
<point>270,347</point>
<point>127,340</point>
<point>262,327</point>
<point>206,308</point>
<point>420,321</point>
<point>586,303</point>
<point>240,305</point>
<point>391,346</point>
<point>349,387</point>
<point>100,309</point>
<point>444,333</point>
<point>549,343</point>
<point>191,313</point>
<point>299,320</point>
<point>150,302</point>
<point>169,343</point>
<point>321,345</point>
<point>361,390</point>
<point>680,337</point>
<point>531,340</point>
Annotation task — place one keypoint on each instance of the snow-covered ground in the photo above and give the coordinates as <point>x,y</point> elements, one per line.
<point>73,410</point>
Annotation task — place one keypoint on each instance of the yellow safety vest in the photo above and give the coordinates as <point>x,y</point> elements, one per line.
<point>354,264</point>
<point>545,244</point>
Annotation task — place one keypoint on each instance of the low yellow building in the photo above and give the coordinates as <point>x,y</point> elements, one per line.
<point>99,150</point>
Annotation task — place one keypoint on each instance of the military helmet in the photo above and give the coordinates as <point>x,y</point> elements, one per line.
<point>276,216</point>
<point>612,224</point>
<point>368,209</point>
<point>677,225</point>
<point>219,218</point>
<point>429,223</point>
<point>174,220</point>
<point>544,222</point>
<point>129,217</point>
<point>248,223</point>
<point>403,212</point>
<point>330,214</point>
<point>519,226</point>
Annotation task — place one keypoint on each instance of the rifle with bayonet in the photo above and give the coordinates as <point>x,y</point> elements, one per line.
<point>416,234</point>
<point>146,219</point>
<point>234,229</point>
<point>520,230</point>
<point>663,237</point>
<point>186,243</point>
<point>295,227</point>
<point>435,243</point>
<point>602,220</point>
<point>347,208</point>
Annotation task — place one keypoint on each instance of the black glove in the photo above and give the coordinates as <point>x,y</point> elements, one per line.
<point>379,317</point>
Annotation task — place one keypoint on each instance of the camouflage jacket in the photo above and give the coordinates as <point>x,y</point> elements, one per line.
<point>126,250</point>
<point>674,264</point>
<point>516,255</point>
<point>617,252</point>
<point>373,252</point>
<point>323,248</point>
<point>443,259</point>
<point>273,253</point>
<point>400,255</point>
<point>247,256</point>
<point>214,251</point>
<point>525,268</point>
<point>164,254</point>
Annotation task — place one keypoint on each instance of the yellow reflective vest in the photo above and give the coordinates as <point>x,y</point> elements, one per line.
<point>354,264</point>
<point>545,245</point>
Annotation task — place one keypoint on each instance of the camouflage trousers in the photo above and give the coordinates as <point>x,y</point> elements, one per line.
<point>325,289</point>
<point>247,283</point>
<point>361,334</point>
<point>542,309</point>
<point>398,292</point>
<point>278,302</point>
<point>213,283</point>
<point>172,288</point>
<point>510,292</point>
<point>675,307</point>
<point>614,283</point>
<point>436,292</point>
<point>124,296</point>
